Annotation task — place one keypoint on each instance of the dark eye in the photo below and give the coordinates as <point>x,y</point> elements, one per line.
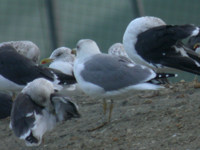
<point>77,47</point>
<point>59,54</point>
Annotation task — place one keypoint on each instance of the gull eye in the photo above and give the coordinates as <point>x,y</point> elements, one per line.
<point>59,54</point>
<point>196,46</point>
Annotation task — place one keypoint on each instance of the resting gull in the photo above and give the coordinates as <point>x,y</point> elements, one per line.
<point>37,109</point>
<point>118,50</point>
<point>194,43</point>
<point>105,76</point>
<point>25,48</point>
<point>16,71</point>
<point>61,59</point>
<point>149,41</point>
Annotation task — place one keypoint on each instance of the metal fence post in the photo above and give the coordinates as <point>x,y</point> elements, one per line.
<point>53,28</point>
<point>138,7</point>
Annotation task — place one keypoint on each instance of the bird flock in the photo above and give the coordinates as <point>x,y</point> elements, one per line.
<point>36,97</point>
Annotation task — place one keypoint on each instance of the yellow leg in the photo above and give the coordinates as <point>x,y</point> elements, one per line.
<point>104,107</point>
<point>195,79</point>
<point>196,83</point>
<point>14,95</point>
<point>104,111</point>
<point>111,109</point>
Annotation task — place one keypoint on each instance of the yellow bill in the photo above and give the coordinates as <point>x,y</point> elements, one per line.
<point>46,60</point>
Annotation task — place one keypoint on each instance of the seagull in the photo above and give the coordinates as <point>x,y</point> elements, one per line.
<point>149,41</point>
<point>105,76</point>
<point>25,48</point>
<point>34,111</point>
<point>61,59</point>
<point>16,71</point>
<point>194,43</point>
<point>5,105</point>
<point>118,50</point>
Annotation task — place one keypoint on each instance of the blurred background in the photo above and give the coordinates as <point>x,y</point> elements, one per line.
<point>54,23</point>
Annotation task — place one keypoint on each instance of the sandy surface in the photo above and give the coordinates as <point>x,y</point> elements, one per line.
<point>170,120</point>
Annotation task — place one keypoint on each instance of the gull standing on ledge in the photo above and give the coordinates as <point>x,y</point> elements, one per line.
<point>104,76</point>
<point>149,41</point>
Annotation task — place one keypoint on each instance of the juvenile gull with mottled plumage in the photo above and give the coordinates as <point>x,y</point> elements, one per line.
<point>25,48</point>
<point>117,49</point>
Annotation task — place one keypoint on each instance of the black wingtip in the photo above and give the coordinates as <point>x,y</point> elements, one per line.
<point>64,78</point>
<point>31,139</point>
<point>165,75</point>
<point>161,78</point>
<point>64,107</point>
<point>72,111</point>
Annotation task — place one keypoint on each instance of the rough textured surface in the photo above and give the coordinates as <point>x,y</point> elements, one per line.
<point>168,120</point>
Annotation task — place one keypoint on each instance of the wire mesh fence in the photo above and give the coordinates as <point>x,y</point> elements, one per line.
<point>103,21</point>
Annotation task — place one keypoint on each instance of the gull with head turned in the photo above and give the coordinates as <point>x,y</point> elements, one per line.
<point>37,109</point>
<point>150,41</point>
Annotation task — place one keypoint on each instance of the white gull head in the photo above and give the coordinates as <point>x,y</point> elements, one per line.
<point>86,47</point>
<point>63,54</point>
<point>132,31</point>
